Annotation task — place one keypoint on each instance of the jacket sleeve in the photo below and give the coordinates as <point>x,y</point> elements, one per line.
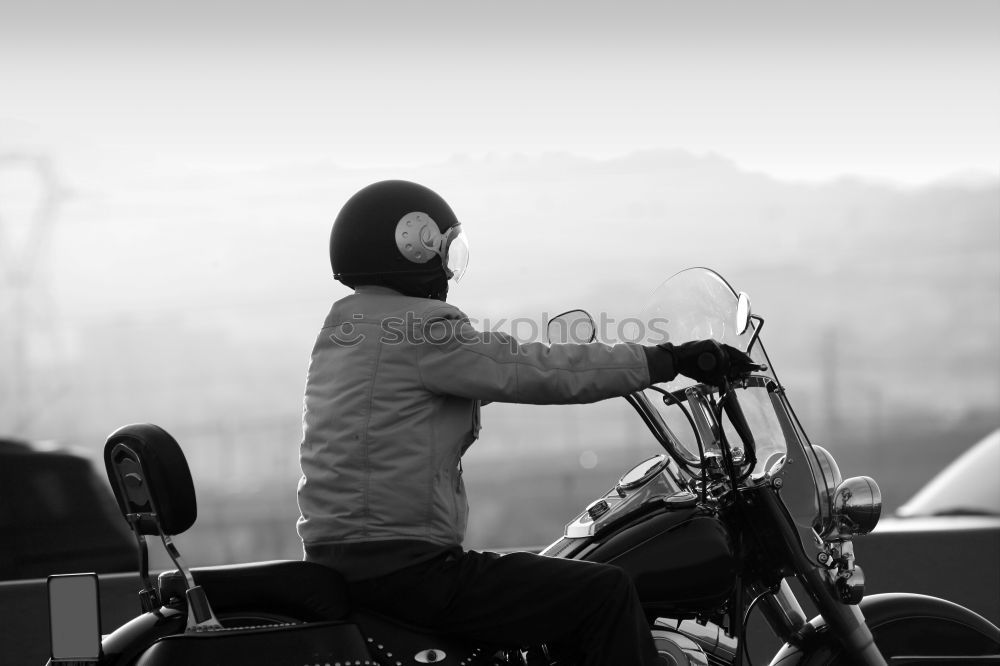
<point>455,359</point>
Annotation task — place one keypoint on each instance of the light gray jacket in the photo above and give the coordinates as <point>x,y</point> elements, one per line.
<point>392,402</point>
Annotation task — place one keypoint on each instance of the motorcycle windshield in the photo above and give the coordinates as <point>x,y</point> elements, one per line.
<point>697,304</point>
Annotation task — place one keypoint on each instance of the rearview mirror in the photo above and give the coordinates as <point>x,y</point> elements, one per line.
<point>572,326</point>
<point>742,313</point>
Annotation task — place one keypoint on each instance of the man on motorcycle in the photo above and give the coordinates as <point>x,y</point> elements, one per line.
<point>392,400</point>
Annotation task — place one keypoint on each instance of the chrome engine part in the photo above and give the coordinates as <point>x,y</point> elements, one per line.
<point>678,649</point>
<point>689,643</point>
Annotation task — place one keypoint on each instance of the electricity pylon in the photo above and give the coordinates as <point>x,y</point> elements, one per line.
<point>24,298</point>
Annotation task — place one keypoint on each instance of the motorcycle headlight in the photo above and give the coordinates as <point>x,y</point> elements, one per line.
<point>857,506</point>
<point>827,478</point>
<point>849,507</point>
<point>830,470</point>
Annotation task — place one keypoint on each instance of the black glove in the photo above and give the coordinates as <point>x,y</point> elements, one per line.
<point>707,361</point>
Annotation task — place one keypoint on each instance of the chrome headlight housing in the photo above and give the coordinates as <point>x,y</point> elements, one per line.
<point>827,477</point>
<point>830,470</point>
<point>857,506</point>
<point>848,507</point>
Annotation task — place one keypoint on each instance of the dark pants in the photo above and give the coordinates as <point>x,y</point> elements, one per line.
<point>520,599</point>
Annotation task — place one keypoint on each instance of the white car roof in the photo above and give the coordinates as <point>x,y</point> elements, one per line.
<point>969,485</point>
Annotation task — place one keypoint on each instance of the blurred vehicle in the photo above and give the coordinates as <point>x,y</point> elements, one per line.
<point>57,515</point>
<point>945,541</point>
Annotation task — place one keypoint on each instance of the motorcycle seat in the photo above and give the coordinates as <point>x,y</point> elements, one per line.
<point>304,590</point>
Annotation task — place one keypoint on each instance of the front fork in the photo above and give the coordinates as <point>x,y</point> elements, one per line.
<point>784,614</point>
<point>845,620</point>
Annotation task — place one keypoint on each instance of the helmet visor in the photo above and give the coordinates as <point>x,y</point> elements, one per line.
<point>455,257</point>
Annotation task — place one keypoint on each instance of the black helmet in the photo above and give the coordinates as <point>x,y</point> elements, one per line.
<point>397,233</point>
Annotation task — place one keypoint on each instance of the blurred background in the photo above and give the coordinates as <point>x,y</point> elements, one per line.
<point>169,173</point>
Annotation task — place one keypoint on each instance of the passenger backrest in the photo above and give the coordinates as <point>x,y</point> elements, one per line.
<point>151,479</point>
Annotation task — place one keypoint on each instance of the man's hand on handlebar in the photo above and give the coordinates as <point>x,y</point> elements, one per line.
<point>708,361</point>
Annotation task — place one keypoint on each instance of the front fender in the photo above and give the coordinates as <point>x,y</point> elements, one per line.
<point>902,624</point>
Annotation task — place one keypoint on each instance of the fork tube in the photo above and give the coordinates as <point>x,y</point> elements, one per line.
<point>846,621</point>
<point>783,612</point>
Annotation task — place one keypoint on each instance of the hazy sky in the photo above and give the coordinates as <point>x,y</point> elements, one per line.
<point>901,90</point>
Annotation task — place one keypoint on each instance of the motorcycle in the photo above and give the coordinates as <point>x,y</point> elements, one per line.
<point>739,504</point>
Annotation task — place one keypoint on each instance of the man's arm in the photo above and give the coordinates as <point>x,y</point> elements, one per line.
<point>456,359</point>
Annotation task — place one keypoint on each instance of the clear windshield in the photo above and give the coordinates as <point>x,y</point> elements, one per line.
<point>697,304</point>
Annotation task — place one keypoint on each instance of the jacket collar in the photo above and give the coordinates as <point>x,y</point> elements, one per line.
<point>376,289</point>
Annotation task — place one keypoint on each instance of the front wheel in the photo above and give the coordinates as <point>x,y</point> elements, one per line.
<point>927,629</point>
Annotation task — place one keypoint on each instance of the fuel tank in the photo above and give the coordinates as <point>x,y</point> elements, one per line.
<point>679,554</point>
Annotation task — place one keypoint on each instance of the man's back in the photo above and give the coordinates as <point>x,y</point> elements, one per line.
<point>380,452</point>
